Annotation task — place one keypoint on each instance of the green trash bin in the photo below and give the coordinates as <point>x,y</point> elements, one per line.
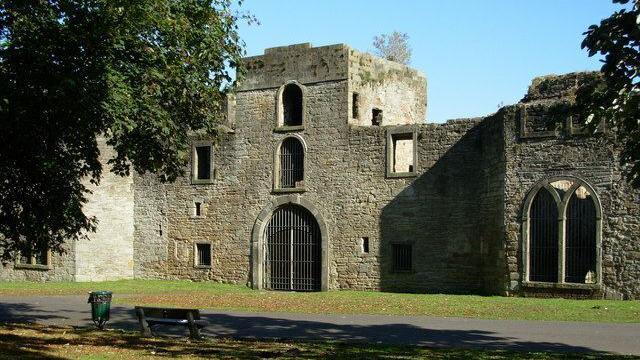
<point>100,307</point>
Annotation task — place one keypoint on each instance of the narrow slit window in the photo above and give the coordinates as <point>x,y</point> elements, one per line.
<point>203,159</point>
<point>376,117</point>
<point>203,254</point>
<point>355,106</point>
<point>365,245</point>
<point>198,208</point>
<point>402,258</point>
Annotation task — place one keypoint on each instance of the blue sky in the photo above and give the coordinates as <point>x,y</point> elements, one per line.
<point>475,53</point>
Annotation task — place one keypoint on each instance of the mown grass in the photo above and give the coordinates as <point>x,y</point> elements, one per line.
<point>208,295</point>
<point>38,342</point>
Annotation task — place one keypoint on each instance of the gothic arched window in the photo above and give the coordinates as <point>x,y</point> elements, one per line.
<point>561,233</point>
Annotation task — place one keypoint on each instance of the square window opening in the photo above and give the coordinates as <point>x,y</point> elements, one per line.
<point>31,257</point>
<point>403,156</point>
<point>402,257</point>
<point>203,254</point>
<point>376,117</point>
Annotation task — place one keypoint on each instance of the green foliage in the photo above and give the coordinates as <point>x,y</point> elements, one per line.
<point>616,97</point>
<point>144,74</point>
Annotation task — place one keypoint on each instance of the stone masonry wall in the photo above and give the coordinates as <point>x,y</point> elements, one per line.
<point>594,159</point>
<point>62,269</point>
<point>345,180</point>
<point>396,89</point>
<point>108,254</point>
<point>435,212</point>
<point>460,212</point>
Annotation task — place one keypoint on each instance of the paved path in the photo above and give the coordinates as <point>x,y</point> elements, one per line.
<point>414,330</point>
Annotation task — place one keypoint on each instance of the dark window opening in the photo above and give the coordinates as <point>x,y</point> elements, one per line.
<point>402,257</point>
<point>365,245</point>
<point>198,209</point>
<point>292,105</point>
<point>291,163</point>
<point>355,106</point>
<point>25,257</point>
<point>203,159</point>
<point>42,258</point>
<point>580,254</point>
<point>204,254</point>
<point>543,243</point>
<point>29,257</point>
<point>376,117</point>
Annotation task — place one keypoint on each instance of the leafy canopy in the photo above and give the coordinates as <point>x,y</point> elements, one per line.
<point>616,98</point>
<point>142,73</point>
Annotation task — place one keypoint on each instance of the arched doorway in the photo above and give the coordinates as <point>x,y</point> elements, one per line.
<point>292,250</point>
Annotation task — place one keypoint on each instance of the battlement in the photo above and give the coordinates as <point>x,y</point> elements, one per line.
<point>300,62</point>
<point>381,92</point>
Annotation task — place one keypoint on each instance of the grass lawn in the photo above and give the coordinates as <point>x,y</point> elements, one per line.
<point>211,295</point>
<point>38,341</point>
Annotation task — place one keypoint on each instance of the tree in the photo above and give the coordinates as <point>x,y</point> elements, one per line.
<point>616,97</point>
<point>144,74</point>
<point>393,47</point>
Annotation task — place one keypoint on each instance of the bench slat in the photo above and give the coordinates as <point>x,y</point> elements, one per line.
<point>169,313</point>
<point>184,322</point>
<point>149,316</point>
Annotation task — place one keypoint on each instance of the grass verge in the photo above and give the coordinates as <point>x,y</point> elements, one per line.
<point>38,342</point>
<point>208,295</point>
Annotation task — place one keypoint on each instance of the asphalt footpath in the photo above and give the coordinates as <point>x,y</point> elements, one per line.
<point>428,331</point>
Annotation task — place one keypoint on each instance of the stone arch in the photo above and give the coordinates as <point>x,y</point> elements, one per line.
<point>291,101</point>
<point>562,203</point>
<point>258,232</point>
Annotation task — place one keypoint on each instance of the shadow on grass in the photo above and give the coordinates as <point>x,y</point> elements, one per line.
<point>34,341</point>
<point>336,339</point>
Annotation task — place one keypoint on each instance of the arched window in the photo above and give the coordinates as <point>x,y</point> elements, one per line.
<point>561,233</point>
<point>292,105</point>
<point>543,238</point>
<point>580,237</point>
<point>290,111</point>
<point>291,164</point>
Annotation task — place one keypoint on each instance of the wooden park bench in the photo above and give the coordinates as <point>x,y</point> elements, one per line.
<point>151,316</point>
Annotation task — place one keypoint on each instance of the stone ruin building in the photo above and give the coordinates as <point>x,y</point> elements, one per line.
<point>326,176</point>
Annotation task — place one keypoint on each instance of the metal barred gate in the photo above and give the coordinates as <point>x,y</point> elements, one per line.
<point>292,250</point>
